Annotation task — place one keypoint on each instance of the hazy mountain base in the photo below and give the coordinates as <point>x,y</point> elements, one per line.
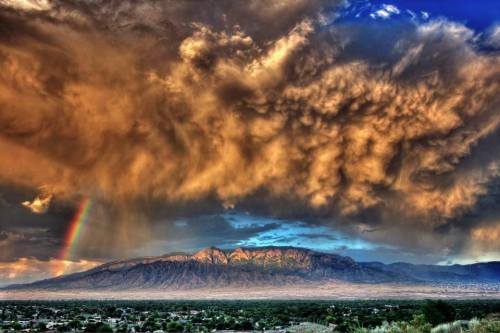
<point>337,290</point>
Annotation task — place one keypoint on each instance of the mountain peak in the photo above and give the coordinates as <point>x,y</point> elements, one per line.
<point>211,255</point>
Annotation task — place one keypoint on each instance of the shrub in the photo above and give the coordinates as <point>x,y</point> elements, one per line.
<point>455,327</point>
<point>485,326</point>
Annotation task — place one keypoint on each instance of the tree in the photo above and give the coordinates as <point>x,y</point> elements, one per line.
<point>420,324</point>
<point>98,327</point>
<point>63,328</point>
<point>189,328</point>
<point>122,328</point>
<point>16,326</point>
<point>42,327</point>
<point>174,326</point>
<point>105,328</point>
<point>75,324</point>
<point>245,325</point>
<point>438,312</point>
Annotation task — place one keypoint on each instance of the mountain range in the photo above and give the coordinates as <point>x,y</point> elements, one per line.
<point>267,266</point>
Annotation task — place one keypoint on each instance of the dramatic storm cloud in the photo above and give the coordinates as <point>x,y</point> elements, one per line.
<point>162,109</point>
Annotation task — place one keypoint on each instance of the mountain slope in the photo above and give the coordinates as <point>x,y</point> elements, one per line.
<point>216,268</point>
<point>247,267</point>
<point>165,275</point>
<point>487,272</point>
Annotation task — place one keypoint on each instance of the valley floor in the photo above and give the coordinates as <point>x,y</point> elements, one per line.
<point>338,290</point>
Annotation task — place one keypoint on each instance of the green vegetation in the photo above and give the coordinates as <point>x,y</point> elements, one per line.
<point>417,326</point>
<point>437,312</point>
<point>478,316</point>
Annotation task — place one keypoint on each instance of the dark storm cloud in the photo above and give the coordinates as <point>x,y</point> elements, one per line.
<point>191,234</point>
<point>317,236</point>
<point>391,255</point>
<point>24,234</point>
<point>164,109</point>
<point>210,230</point>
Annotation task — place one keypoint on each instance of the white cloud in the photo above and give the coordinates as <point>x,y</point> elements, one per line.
<point>493,36</point>
<point>391,9</point>
<point>385,12</point>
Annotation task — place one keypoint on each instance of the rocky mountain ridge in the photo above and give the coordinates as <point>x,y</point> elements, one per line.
<point>246,267</point>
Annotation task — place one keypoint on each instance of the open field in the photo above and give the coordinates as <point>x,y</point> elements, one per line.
<point>340,290</point>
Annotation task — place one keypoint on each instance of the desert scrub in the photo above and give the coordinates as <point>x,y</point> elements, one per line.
<point>418,325</point>
<point>455,327</point>
<point>485,326</point>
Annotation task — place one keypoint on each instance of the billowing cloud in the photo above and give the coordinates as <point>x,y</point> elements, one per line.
<point>148,105</point>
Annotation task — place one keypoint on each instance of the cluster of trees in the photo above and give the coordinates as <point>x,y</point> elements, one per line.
<point>438,312</point>
<point>205,316</point>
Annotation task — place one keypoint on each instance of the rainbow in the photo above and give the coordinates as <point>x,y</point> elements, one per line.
<point>74,230</point>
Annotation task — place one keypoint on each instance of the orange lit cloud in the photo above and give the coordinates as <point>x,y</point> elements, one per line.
<point>27,4</point>
<point>135,108</point>
<point>490,235</point>
<point>483,244</point>
<point>39,205</point>
<point>30,269</point>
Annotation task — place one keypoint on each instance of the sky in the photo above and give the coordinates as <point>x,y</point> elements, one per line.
<point>364,128</point>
